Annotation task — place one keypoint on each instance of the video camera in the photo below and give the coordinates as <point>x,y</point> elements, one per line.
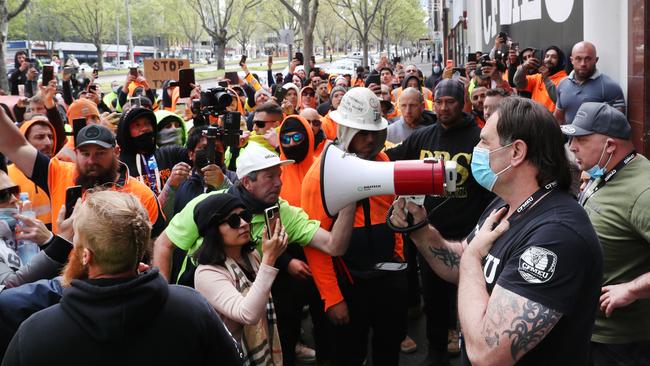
<point>213,102</point>
<point>498,62</point>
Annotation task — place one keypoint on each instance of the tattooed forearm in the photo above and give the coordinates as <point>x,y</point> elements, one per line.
<point>529,328</point>
<point>449,258</point>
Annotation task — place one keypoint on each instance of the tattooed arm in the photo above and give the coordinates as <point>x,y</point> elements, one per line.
<point>443,256</point>
<point>499,329</point>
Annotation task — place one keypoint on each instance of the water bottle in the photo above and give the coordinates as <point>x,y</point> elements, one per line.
<point>26,248</point>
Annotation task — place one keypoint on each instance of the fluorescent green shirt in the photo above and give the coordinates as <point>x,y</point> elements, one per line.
<point>183,232</point>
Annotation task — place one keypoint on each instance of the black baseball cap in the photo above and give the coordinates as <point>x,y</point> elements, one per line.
<point>95,135</point>
<point>593,117</point>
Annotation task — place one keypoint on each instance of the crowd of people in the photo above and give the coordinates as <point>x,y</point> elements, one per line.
<point>194,230</point>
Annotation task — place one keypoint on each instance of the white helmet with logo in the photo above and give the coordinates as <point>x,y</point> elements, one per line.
<point>360,109</point>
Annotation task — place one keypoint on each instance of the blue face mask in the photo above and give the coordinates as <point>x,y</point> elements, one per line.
<point>597,171</point>
<point>8,226</point>
<point>481,167</point>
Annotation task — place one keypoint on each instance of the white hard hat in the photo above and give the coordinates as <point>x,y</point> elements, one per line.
<point>360,109</point>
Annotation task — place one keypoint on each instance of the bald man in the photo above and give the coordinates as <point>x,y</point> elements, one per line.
<point>411,106</point>
<point>312,116</point>
<point>585,84</point>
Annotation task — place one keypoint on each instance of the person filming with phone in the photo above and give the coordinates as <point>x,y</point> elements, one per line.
<point>235,278</point>
<point>543,84</point>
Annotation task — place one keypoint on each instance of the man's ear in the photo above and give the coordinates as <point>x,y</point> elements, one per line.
<point>117,150</point>
<point>245,182</point>
<point>519,152</point>
<point>86,257</point>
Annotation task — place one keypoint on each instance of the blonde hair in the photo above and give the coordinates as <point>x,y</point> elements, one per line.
<point>115,227</point>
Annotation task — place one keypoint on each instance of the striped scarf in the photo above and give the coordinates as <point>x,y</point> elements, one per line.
<point>260,342</point>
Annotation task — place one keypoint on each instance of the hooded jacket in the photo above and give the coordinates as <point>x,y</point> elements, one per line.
<point>136,321</point>
<point>40,199</point>
<point>165,157</point>
<point>293,174</point>
<point>545,91</point>
<point>169,102</point>
<point>163,114</point>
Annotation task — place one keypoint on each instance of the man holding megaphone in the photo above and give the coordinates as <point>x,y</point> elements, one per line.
<point>371,274</point>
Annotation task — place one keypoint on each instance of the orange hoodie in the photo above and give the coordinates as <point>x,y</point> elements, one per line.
<point>40,199</point>
<point>328,126</point>
<point>293,174</point>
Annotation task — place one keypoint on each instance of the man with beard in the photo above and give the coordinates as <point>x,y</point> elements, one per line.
<point>452,138</point>
<point>136,136</point>
<point>477,99</point>
<point>585,84</point>
<point>112,311</point>
<point>542,85</point>
<point>96,164</point>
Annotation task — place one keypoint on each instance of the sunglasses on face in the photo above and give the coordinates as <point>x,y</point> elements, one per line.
<point>7,193</point>
<point>234,220</point>
<point>308,94</point>
<point>261,124</point>
<point>296,137</point>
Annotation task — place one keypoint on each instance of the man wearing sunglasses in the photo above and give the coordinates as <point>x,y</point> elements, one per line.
<point>307,98</point>
<point>268,116</point>
<point>96,164</point>
<point>314,119</point>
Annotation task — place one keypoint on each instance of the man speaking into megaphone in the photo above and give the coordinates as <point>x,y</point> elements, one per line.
<point>371,274</point>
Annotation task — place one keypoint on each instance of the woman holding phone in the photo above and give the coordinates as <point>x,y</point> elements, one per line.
<point>233,277</point>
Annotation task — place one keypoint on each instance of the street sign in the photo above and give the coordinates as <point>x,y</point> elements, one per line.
<point>157,70</point>
<point>437,36</point>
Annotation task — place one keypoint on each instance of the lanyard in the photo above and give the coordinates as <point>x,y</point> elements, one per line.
<point>598,183</point>
<point>530,201</point>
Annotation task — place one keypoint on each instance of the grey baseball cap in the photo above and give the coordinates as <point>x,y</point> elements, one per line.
<point>599,118</point>
<point>95,135</point>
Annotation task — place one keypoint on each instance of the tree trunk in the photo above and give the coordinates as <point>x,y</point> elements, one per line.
<point>100,55</point>
<point>308,49</point>
<point>220,52</point>
<point>324,49</point>
<point>4,25</point>
<point>364,45</point>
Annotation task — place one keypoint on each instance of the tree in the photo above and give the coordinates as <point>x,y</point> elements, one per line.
<point>307,20</point>
<point>92,21</point>
<point>6,15</point>
<point>360,16</point>
<point>325,30</point>
<point>407,23</point>
<point>245,30</point>
<point>386,12</point>
<point>215,17</point>
<point>279,19</point>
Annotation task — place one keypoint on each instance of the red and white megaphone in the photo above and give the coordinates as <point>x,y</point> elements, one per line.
<point>346,178</point>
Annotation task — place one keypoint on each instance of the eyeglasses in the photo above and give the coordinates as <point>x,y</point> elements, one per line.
<point>234,220</point>
<point>296,137</point>
<point>7,193</point>
<point>315,122</point>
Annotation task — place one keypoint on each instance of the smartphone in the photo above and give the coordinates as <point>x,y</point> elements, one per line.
<point>185,81</point>
<point>514,46</point>
<point>233,77</point>
<point>271,217</point>
<point>450,63</point>
<point>300,58</point>
<point>77,125</point>
<point>280,93</point>
<point>48,74</point>
<point>135,102</point>
<point>458,71</point>
<point>373,79</point>
<point>223,83</point>
<point>242,60</point>
<point>503,35</point>
<point>270,60</point>
<point>72,194</point>
<point>133,71</point>
<point>471,57</point>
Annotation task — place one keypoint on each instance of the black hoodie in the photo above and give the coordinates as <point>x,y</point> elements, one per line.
<point>137,321</point>
<point>166,157</point>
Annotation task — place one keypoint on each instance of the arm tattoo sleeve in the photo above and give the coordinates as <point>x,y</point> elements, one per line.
<point>449,258</point>
<point>530,327</point>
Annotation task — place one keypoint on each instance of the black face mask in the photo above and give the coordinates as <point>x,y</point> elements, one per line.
<point>145,143</point>
<point>297,152</point>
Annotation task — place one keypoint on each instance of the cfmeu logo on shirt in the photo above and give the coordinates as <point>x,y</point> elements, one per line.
<point>537,265</point>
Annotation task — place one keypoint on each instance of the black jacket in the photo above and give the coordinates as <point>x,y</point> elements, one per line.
<point>137,321</point>
<point>458,216</point>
